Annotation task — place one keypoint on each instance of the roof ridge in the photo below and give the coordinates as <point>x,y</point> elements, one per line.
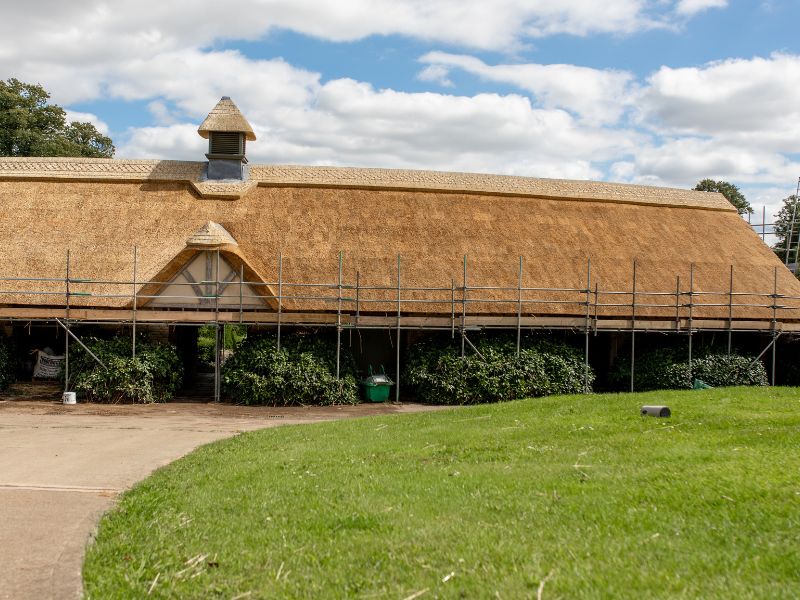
<point>105,169</point>
<point>486,183</point>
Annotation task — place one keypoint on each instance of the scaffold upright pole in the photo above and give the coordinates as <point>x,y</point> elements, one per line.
<point>775,319</point>
<point>133,316</point>
<point>730,313</point>
<point>464,308</point>
<point>791,226</point>
<point>241,293</point>
<point>217,386</point>
<point>452,308</point>
<point>358,297</point>
<point>519,307</point>
<point>587,326</point>
<point>633,325</point>
<point>691,312</point>
<point>66,321</point>
<point>280,297</point>
<point>339,317</point>
<point>397,356</point>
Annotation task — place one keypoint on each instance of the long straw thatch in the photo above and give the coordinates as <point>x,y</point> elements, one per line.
<point>225,116</point>
<point>371,216</point>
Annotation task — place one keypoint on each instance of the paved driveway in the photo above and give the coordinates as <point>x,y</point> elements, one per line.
<point>61,467</point>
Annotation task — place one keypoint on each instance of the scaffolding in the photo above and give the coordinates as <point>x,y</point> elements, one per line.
<point>586,309</point>
<point>791,245</point>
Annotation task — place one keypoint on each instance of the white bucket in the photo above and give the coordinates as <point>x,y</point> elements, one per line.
<point>69,398</point>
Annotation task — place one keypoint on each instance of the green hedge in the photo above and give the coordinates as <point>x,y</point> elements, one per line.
<point>439,375</point>
<point>668,368</point>
<point>303,372</point>
<point>153,376</point>
<point>8,363</point>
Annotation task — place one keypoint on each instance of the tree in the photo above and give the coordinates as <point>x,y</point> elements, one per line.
<point>783,228</point>
<point>730,191</point>
<point>29,126</point>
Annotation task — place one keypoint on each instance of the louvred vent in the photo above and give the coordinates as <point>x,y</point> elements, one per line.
<point>226,143</point>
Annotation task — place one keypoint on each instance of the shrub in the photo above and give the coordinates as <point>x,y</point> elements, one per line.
<point>724,370</point>
<point>125,380</point>
<point>440,376</point>
<point>668,368</point>
<point>301,373</point>
<point>7,363</point>
<point>153,376</point>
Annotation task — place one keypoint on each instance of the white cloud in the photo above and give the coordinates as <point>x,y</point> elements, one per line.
<point>84,32</point>
<point>684,161</point>
<point>84,117</point>
<point>692,7</point>
<point>596,95</point>
<point>736,96</point>
<point>737,119</point>
<point>350,123</point>
<point>437,74</point>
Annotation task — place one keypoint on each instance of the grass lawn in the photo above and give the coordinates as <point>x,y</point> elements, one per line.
<point>572,496</point>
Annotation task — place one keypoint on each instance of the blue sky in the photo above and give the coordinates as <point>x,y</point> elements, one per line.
<point>661,92</point>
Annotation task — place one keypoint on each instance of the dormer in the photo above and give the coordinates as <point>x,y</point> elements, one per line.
<point>227,132</point>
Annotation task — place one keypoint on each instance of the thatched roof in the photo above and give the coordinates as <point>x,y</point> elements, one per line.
<point>225,116</point>
<point>211,235</point>
<point>101,209</point>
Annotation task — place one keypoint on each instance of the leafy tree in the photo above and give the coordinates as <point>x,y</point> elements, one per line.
<point>783,227</point>
<point>29,126</point>
<point>730,191</point>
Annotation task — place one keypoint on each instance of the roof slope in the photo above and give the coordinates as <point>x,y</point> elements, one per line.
<point>311,214</point>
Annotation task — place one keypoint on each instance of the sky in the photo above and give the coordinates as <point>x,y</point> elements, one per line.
<point>661,92</point>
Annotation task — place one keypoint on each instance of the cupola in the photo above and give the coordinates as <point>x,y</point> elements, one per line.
<point>227,132</point>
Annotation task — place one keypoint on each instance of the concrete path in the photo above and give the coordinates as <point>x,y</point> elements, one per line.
<point>61,467</point>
